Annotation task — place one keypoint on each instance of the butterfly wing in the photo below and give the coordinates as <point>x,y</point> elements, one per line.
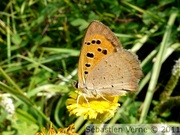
<point>115,74</point>
<point>99,42</point>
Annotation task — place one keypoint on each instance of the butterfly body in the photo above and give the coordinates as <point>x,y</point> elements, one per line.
<point>105,68</point>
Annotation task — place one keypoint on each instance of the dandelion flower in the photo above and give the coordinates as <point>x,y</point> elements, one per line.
<point>94,109</point>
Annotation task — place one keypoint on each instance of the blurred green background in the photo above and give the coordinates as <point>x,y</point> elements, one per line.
<point>40,41</point>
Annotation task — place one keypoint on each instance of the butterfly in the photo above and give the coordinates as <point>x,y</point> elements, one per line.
<point>105,68</point>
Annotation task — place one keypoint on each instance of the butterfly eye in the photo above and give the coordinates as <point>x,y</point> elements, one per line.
<point>76,84</point>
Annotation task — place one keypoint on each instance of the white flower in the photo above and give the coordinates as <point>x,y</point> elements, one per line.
<point>7,103</point>
<point>176,68</point>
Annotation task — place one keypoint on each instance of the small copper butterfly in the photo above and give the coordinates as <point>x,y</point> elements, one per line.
<point>105,68</point>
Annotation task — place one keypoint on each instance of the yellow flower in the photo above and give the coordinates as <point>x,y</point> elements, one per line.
<point>61,131</point>
<point>94,109</point>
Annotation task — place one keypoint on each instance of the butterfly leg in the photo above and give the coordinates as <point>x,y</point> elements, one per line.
<point>79,95</point>
<point>84,98</point>
<point>102,97</point>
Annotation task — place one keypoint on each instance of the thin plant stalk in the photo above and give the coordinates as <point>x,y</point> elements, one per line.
<point>157,67</point>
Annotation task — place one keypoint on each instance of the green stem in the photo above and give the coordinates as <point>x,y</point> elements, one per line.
<point>157,67</point>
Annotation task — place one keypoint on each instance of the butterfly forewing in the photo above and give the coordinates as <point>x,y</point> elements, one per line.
<point>98,43</point>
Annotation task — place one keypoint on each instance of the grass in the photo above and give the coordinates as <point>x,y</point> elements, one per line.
<point>39,48</point>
